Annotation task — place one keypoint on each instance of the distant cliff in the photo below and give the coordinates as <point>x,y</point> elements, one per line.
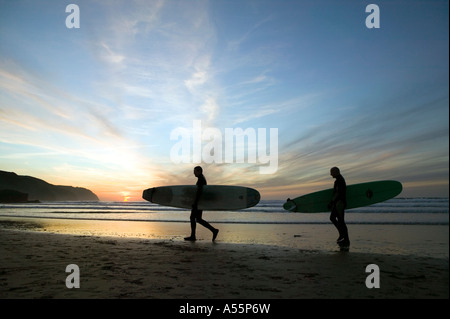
<point>13,188</point>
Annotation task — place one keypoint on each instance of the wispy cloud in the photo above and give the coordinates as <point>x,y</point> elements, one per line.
<point>235,44</point>
<point>56,124</point>
<point>109,56</point>
<point>102,100</point>
<point>173,74</point>
<point>387,145</point>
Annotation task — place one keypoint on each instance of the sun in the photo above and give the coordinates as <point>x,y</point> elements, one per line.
<point>126,198</point>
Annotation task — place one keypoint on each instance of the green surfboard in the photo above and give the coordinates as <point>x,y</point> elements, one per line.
<point>358,195</point>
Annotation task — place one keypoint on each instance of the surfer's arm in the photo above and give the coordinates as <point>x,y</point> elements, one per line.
<point>197,195</point>
<point>339,193</point>
<point>335,197</point>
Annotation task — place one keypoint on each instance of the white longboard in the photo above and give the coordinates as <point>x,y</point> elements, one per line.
<point>213,197</point>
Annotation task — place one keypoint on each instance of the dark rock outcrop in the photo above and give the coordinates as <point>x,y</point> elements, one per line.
<point>12,196</point>
<point>11,185</point>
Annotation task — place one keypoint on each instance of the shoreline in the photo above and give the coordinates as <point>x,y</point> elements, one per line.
<point>34,266</point>
<point>419,240</point>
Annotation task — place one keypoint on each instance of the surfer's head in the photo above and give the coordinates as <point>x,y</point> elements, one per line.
<point>198,170</point>
<point>334,171</point>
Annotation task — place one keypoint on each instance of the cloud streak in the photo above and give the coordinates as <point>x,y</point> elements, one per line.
<point>100,102</point>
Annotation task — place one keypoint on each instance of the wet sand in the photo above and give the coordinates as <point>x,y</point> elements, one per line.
<point>33,265</point>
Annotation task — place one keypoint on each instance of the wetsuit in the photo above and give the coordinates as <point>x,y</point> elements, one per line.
<point>196,214</point>
<point>339,203</point>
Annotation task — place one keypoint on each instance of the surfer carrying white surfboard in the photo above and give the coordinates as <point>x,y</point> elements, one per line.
<point>196,214</point>
<point>338,205</point>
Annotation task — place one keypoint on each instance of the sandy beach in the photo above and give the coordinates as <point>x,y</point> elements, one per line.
<point>33,265</point>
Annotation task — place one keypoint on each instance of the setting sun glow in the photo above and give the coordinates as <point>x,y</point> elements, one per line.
<point>141,92</point>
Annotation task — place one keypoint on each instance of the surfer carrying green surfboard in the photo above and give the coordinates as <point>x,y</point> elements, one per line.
<point>196,214</point>
<point>338,205</point>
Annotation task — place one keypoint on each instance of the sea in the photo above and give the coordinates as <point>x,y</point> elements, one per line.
<point>408,226</point>
<point>398,211</point>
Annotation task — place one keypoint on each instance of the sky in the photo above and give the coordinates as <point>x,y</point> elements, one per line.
<point>143,91</point>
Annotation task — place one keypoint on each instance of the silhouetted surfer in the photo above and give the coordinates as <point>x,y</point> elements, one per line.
<point>196,214</point>
<point>338,205</point>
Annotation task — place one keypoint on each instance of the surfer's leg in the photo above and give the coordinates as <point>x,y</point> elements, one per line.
<point>341,221</point>
<point>204,223</point>
<point>193,225</point>
<point>335,221</point>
